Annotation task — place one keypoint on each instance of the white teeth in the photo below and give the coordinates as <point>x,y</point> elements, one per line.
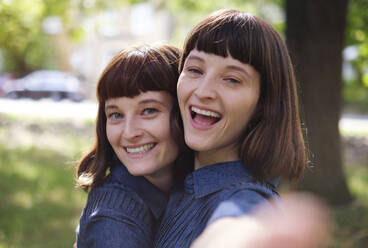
<point>140,149</point>
<point>205,112</point>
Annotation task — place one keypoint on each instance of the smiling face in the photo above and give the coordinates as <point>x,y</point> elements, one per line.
<point>138,130</point>
<point>217,97</point>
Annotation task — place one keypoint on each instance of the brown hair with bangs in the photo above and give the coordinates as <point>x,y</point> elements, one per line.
<point>133,71</point>
<point>272,144</point>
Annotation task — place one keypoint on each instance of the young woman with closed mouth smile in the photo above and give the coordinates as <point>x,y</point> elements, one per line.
<point>138,130</point>
<point>139,150</point>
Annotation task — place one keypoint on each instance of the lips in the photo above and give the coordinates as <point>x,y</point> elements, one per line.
<point>204,118</point>
<point>139,149</point>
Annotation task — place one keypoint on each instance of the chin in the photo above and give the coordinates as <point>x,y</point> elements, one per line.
<point>136,172</point>
<point>196,145</point>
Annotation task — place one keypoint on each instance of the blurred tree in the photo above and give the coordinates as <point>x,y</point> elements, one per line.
<point>189,12</point>
<point>315,32</point>
<point>21,35</point>
<point>26,38</point>
<point>24,45</point>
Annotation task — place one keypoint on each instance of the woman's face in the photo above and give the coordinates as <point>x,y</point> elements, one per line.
<point>217,97</point>
<point>138,130</point>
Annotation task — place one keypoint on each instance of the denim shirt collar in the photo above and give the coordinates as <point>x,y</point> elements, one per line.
<point>212,178</point>
<point>154,197</point>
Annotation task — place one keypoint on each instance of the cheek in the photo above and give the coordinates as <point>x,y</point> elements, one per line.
<point>242,112</point>
<point>162,131</point>
<point>183,89</point>
<point>112,135</point>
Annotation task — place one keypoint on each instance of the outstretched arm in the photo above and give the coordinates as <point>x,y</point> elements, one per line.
<point>303,223</point>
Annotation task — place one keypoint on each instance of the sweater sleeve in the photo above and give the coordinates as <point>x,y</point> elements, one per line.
<point>242,200</point>
<point>115,217</point>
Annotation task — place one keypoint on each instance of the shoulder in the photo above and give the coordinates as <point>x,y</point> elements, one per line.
<point>115,201</point>
<point>242,198</point>
<point>102,231</point>
<point>114,214</point>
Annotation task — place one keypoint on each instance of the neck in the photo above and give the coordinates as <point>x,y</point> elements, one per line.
<point>162,179</point>
<point>206,158</point>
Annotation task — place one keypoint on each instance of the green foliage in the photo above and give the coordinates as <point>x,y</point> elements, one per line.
<point>357,28</point>
<point>356,89</point>
<point>23,43</point>
<point>21,35</point>
<point>187,13</point>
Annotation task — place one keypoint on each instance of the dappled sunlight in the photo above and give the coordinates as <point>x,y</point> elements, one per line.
<point>54,134</point>
<point>42,205</point>
<point>359,182</point>
<point>23,199</point>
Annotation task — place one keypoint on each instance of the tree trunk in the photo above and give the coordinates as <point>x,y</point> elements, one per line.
<point>315,36</point>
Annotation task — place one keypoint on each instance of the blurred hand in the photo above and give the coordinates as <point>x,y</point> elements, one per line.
<point>303,223</point>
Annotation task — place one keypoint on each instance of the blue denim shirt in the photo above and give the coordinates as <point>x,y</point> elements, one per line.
<point>209,193</point>
<point>123,212</point>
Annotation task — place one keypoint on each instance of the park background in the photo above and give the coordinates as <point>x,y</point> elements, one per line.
<point>41,141</point>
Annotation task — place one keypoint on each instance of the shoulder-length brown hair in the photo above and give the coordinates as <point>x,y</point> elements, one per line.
<point>272,144</point>
<point>132,71</point>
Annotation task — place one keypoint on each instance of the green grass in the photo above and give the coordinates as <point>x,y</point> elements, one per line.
<point>39,201</point>
<point>40,206</point>
<point>351,222</point>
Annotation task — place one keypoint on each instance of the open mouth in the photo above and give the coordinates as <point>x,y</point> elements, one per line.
<point>204,117</point>
<point>140,149</point>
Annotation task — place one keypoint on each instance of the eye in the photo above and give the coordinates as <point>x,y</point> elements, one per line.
<point>115,116</point>
<point>194,71</point>
<point>232,80</point>
<point>149,111</point>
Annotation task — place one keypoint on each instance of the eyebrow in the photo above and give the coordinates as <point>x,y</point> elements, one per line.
<point>110,106</point>
<point>195,57</point>
<point>233,67</point>
<point>238,68</point>
<point>145,101</point>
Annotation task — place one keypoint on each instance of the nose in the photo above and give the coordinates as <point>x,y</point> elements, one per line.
<point>206,88</point>
<point>132,129</point>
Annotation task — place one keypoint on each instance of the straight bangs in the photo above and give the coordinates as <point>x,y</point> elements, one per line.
<point>137,70</point>
<point>219,35</point>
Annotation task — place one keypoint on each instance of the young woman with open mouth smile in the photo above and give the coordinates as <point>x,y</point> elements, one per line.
<point>217,97</point>
<point>238,101</point>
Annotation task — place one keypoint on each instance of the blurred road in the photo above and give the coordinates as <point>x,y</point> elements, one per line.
<point>88,109</point>
<point>49,108</point>
<point>356,123</point>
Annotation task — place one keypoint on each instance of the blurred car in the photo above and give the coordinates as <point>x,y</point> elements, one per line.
<point>4,79</point>
<point>57,85</point>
